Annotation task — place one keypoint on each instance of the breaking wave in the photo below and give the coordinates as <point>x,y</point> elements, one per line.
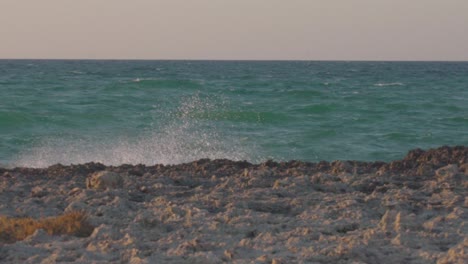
<point>183,138</point>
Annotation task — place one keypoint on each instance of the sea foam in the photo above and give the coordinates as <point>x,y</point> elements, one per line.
<point>183,138</point>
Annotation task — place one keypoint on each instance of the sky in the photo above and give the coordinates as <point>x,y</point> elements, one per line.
<point>235,29</point>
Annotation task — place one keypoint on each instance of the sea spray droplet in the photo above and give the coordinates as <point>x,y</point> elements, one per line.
<point>182,137</point>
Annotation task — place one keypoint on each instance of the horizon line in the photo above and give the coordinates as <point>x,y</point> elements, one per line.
<point>226,60</point>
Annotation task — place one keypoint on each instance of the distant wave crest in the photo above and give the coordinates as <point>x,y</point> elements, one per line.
<point>389,84</point>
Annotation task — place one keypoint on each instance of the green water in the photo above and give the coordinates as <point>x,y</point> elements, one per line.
<point>177,111</point>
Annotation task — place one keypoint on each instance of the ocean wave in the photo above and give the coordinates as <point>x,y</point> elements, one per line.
<point>9,120</point>
<point>165,83</point>
<point>389,84</point>
<point>182,139</point>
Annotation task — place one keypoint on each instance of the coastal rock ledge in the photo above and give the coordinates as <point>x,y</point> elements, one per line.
<point>413,210</point>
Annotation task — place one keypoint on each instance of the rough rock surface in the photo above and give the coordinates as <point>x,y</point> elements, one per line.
<point>104,180</point>
<point>414,210</point>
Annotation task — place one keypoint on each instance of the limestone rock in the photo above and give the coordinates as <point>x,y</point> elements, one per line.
<point>464,168</point>
<point>38,191</point>
<point>341,166</point>
<point>447,172</point>
<point>104,180</point>
<point>224,211</point>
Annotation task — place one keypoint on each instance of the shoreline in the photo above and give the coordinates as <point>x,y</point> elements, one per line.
<point>412,210</point>
<point>414,161</point>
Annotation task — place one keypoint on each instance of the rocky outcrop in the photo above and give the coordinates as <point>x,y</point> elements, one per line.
<point>103,180</point>
<point>413,210</point>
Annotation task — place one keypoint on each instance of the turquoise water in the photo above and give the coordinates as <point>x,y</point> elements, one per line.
<point>171,112</point>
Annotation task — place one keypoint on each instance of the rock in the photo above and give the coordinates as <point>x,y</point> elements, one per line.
<point>104,180</point>
<point>38,191</point>
<point>341,166</point>
<point>74,191</point>
<point>263,259</point>
<point>464,168</point>
<point>456,254</point>
<point>424,170</point>
<point>447,172</point>
<point>76,206</point>
<point>277,261</point>
<point>38,236</point>
<point>222,211</point>
<point>229,254</point>
<point>390,221</point>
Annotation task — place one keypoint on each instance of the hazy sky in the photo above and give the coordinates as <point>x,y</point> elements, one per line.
<point>235,29</point>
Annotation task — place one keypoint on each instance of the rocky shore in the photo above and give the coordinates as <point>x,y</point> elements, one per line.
<point>413,210</point>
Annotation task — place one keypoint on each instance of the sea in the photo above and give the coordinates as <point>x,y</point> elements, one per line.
<point>170,112</point>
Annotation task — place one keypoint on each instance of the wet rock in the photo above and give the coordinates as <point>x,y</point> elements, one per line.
<point>440,156</point>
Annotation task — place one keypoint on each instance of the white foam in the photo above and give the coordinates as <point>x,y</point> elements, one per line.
<point>389,84</point>
<point>183,139</point>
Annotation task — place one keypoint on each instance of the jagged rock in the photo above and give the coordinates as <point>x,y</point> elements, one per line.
<point>464,168</point>
<point>446,172</point>
<point>456,254</point>
<point>103,180</point>
<point>341,166</point>
<point>38,191</point>
<point>424,170</point>
<point>215,211</point>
